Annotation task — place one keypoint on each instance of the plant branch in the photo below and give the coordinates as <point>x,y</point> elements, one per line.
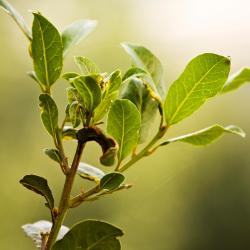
<point>65,197</point>
<point>144,152</point>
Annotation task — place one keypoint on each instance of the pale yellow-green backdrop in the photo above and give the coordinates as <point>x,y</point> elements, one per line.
<point>184,197</point>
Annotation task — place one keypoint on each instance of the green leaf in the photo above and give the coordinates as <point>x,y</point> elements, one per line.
<point>111,181</point>
<point>39,228</point>
<point>69,133</point>
<point>134,72</point>
<point>89,91</point>
<point>123,125</point>
<point>90,235</point>
<point>46,51</point>
<point>139,94</point>
<point>40,186</point>
<point>111,93</point>
<point>145,59</point>
<point>17,18</point>
<point>76,32</point>
<point>86,65</point>
<point>89,172</point>
<point>49,113</point>
<point>69,76</point>
<point>53,154</point>
<point>203,78</point>
<point>74,114</point>
<point>237,80</point>
<point>207,135</point>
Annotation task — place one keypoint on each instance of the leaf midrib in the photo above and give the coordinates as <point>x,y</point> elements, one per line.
<point>44,53</point>
<point>192,89</point>
<point>100,240</point>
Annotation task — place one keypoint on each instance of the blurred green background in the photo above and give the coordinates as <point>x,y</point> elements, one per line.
<point>184,197</point>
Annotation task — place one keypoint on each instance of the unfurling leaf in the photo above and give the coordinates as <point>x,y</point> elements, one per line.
<point>123,125</point>
<point>76,32</point>
<point>207,135</point>
<point>139,94</point>
<point>202,79</point>
<point>89,172</point>
<point>49,113</point>
<point>40,186</point>
<point>17,18</point>
<point>111,181</point>
<point>110,94</point>
<point>146,60</point>
<point>53,154</point>
<point>86,65</point>
<point>90,234</point>
<point>89,91</point>
<point>47,51</point>
<point>237,80</point>
<point>39,228</point>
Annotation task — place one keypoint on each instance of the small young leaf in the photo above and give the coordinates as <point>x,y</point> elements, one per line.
<point>46,51</point>
<point>76,32</point>
<point>17,18</point>
<point>89,90</point>
<point>53,154</point>
<point>207,135</point>
<point>39,185</point>
<point>134,72</point>
<point>39,228</point>
<point>123,125</point>
<point>86,65</point>
<point>111,181</point>
<point>90,235</point>
<point>145,59</point>
<point>139,94</point>
<point>69,76</point>
<point>237,80</point>
<point>49,113</point>
<point>74,114</point>
<point>202,79</point>
<point>89,172</point>
<point>110,95</point>
<point>69,133</point>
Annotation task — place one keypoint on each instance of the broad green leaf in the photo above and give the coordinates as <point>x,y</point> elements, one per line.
<point>89,91</point>
<point>74,114</point>
<point>76,32</point>
<point>134,72</point>
<point>123,125</point>
<point>39,228</point>
<point>111,181</point>
<point>139,94</point>
<point>207,135</point>
<point>109,96</point>
<point>237,80</point>
<point>17,18</point>
<point>202,79</point>
<point>73,95</point>
<point>53,154</point>
<point>89,172</point>
<point>46,51</point>
<point>40,186</point>
<point>49,113</point>
<point>90,235</point>
<point>145,59</point>
<point>86,65</point>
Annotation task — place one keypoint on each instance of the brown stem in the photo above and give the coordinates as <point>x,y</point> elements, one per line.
<point>65,197</point>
